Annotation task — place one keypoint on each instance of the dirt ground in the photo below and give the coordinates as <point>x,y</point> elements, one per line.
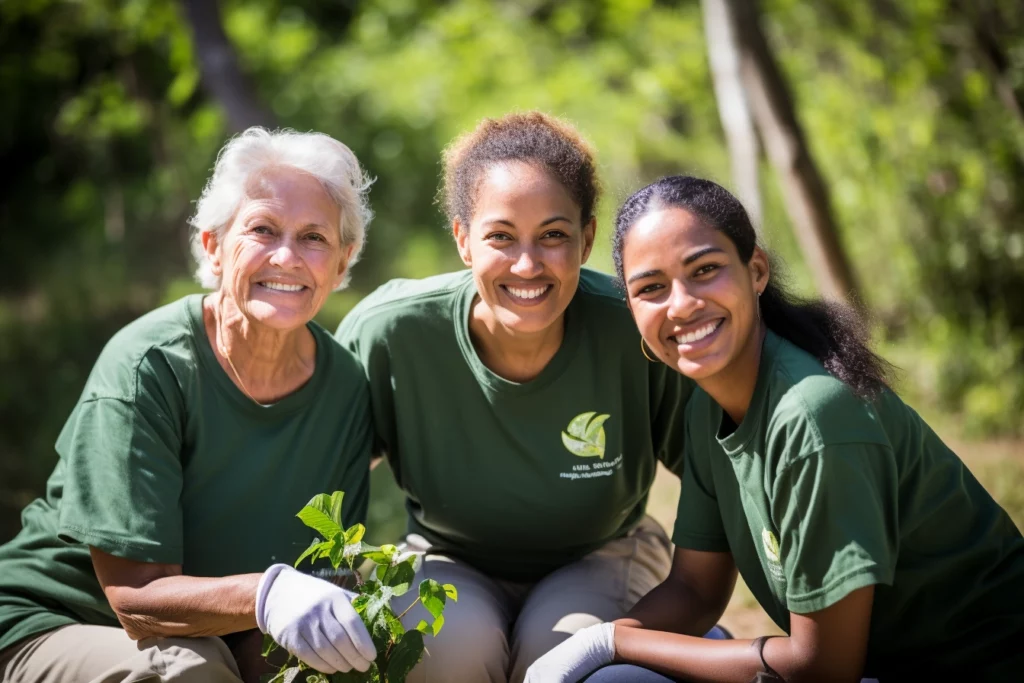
<point>998,464</point>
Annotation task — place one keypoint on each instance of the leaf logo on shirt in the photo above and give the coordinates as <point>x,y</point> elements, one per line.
<point>585,435</point>
<point>771,545</point>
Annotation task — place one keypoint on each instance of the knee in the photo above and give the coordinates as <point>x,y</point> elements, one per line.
<point>184,660</point>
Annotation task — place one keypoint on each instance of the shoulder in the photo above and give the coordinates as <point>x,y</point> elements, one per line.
<point>601,291</point>
<point>152,345</point>
<point>602,304</point>
<point>405,300</point>
<point>344,367</point>
<point>811,409</point>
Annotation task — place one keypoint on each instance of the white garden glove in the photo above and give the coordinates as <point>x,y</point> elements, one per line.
<point>586,651</point>
<point>314,620</point>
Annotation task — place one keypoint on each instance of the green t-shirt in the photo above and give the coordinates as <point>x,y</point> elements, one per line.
<point>818,493</point>
<point>517,479</point>
<point>164,460</point>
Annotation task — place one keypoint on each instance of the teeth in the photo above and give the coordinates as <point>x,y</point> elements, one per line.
<point>282,287</point>
<point>697,335</point>
<point>526,293</point>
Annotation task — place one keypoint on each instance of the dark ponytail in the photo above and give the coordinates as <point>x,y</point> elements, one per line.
<point>831,332</point>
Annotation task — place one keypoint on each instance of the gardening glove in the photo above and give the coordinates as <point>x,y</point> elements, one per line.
<point>586,651</point>
<point>314,620</point>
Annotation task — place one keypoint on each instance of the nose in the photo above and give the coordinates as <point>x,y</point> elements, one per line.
<point>527,264</point>
<point>284,255</point>
<point>682,302</point>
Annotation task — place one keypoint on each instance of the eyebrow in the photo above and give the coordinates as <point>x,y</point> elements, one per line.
<point>687,261</point>
<point>703,252</point>
<point>641,276</point>
<point>545,223</point>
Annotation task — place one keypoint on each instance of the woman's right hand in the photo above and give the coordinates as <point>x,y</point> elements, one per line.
<point>314,620</point>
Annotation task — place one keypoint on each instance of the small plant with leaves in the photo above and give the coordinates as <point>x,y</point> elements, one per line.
<point>398,650</point>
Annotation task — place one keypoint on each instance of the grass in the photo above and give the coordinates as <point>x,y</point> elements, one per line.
<point>998,465</point>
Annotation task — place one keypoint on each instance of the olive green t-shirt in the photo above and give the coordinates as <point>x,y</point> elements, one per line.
<point>818,493</point>
<point>516,479</point>
<point>164,460</point>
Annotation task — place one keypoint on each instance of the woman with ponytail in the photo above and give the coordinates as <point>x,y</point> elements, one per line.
<point>859,532</point>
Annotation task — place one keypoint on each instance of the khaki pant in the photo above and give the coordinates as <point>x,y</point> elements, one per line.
<point>498,628</point>
<point>103,654</point>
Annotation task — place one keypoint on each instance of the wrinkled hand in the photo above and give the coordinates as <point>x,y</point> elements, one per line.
<point>586,651</point>
<point>314,620</point>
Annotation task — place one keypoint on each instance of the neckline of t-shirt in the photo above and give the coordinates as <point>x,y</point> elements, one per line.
<point>552,371</point>
<point>734,443</point>
<point>293,401</point>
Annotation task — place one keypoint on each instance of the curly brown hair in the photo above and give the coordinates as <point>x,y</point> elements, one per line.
<point>531,137</point>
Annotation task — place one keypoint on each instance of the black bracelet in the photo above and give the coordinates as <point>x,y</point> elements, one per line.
<point>767,672</point>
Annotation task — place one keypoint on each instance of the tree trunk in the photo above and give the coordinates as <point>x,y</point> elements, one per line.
<point>222,77</point>
<point>803,188</point>
<point>737,124</point>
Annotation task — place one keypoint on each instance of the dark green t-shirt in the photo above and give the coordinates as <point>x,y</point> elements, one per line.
<point>517,479</point>
<point>818,493</point>
<point>164,460</point>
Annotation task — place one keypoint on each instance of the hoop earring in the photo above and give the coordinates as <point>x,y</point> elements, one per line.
<point>643,350</point>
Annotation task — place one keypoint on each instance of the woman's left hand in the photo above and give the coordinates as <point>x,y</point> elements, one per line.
<point>586,651</point>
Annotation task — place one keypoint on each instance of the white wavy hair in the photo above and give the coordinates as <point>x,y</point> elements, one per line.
<point>257,149</point>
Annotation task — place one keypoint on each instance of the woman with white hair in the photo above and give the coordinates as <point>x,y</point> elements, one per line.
<point>203,427</point>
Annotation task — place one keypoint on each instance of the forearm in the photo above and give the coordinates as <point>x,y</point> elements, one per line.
<point>720,661</point>
<point>675,608</point>
<point>188,606</point>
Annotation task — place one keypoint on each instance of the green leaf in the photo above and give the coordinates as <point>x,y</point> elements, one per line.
<point>381,555</point>
<point>314,549</point>
<point>438,625</point>
<point>337,550</point>
<point>433,596</point>
<point>354,534</point>
<point>394,624</point>
<point>451,592</point>
<point>399,577</point>
<point>375,602</point>
<point>317,515</point>
<point>335,506</point>
<point>423,626</point>
<point>404,656</point>
<point>380,629</point>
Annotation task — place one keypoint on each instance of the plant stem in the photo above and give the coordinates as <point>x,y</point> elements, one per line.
<point>408,608</point>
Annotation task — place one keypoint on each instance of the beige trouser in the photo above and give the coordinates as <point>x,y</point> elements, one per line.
<point>104,654</point>
<point>498,628</point>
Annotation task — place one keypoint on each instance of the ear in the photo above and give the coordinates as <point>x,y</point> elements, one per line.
<point>589,231</point>
<point>760,270</point>
<point>346,256</point>
<point>461,232</point>
<point>211,244</point>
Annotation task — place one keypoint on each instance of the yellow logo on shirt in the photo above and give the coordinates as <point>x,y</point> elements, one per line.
<point>773,553</point>
<point>585,435</point>
<point>771,545</point>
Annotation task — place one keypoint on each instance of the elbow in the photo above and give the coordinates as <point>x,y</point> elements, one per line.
<point>817,668</point>
<point>125,607</point>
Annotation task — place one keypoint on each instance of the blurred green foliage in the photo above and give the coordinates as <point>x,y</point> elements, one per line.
<point>109,137</point>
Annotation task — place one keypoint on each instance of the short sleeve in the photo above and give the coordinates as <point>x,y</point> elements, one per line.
<point>836,512</point>
<point>124,476</point>
<point>670,393</point>
<point>698,519</point>
<point>369,347</point>
<point>359,450</point>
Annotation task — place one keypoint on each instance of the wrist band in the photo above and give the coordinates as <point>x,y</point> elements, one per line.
<point>768,674</point>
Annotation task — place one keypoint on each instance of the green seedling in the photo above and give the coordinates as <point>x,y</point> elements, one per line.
<point>398,650</point>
